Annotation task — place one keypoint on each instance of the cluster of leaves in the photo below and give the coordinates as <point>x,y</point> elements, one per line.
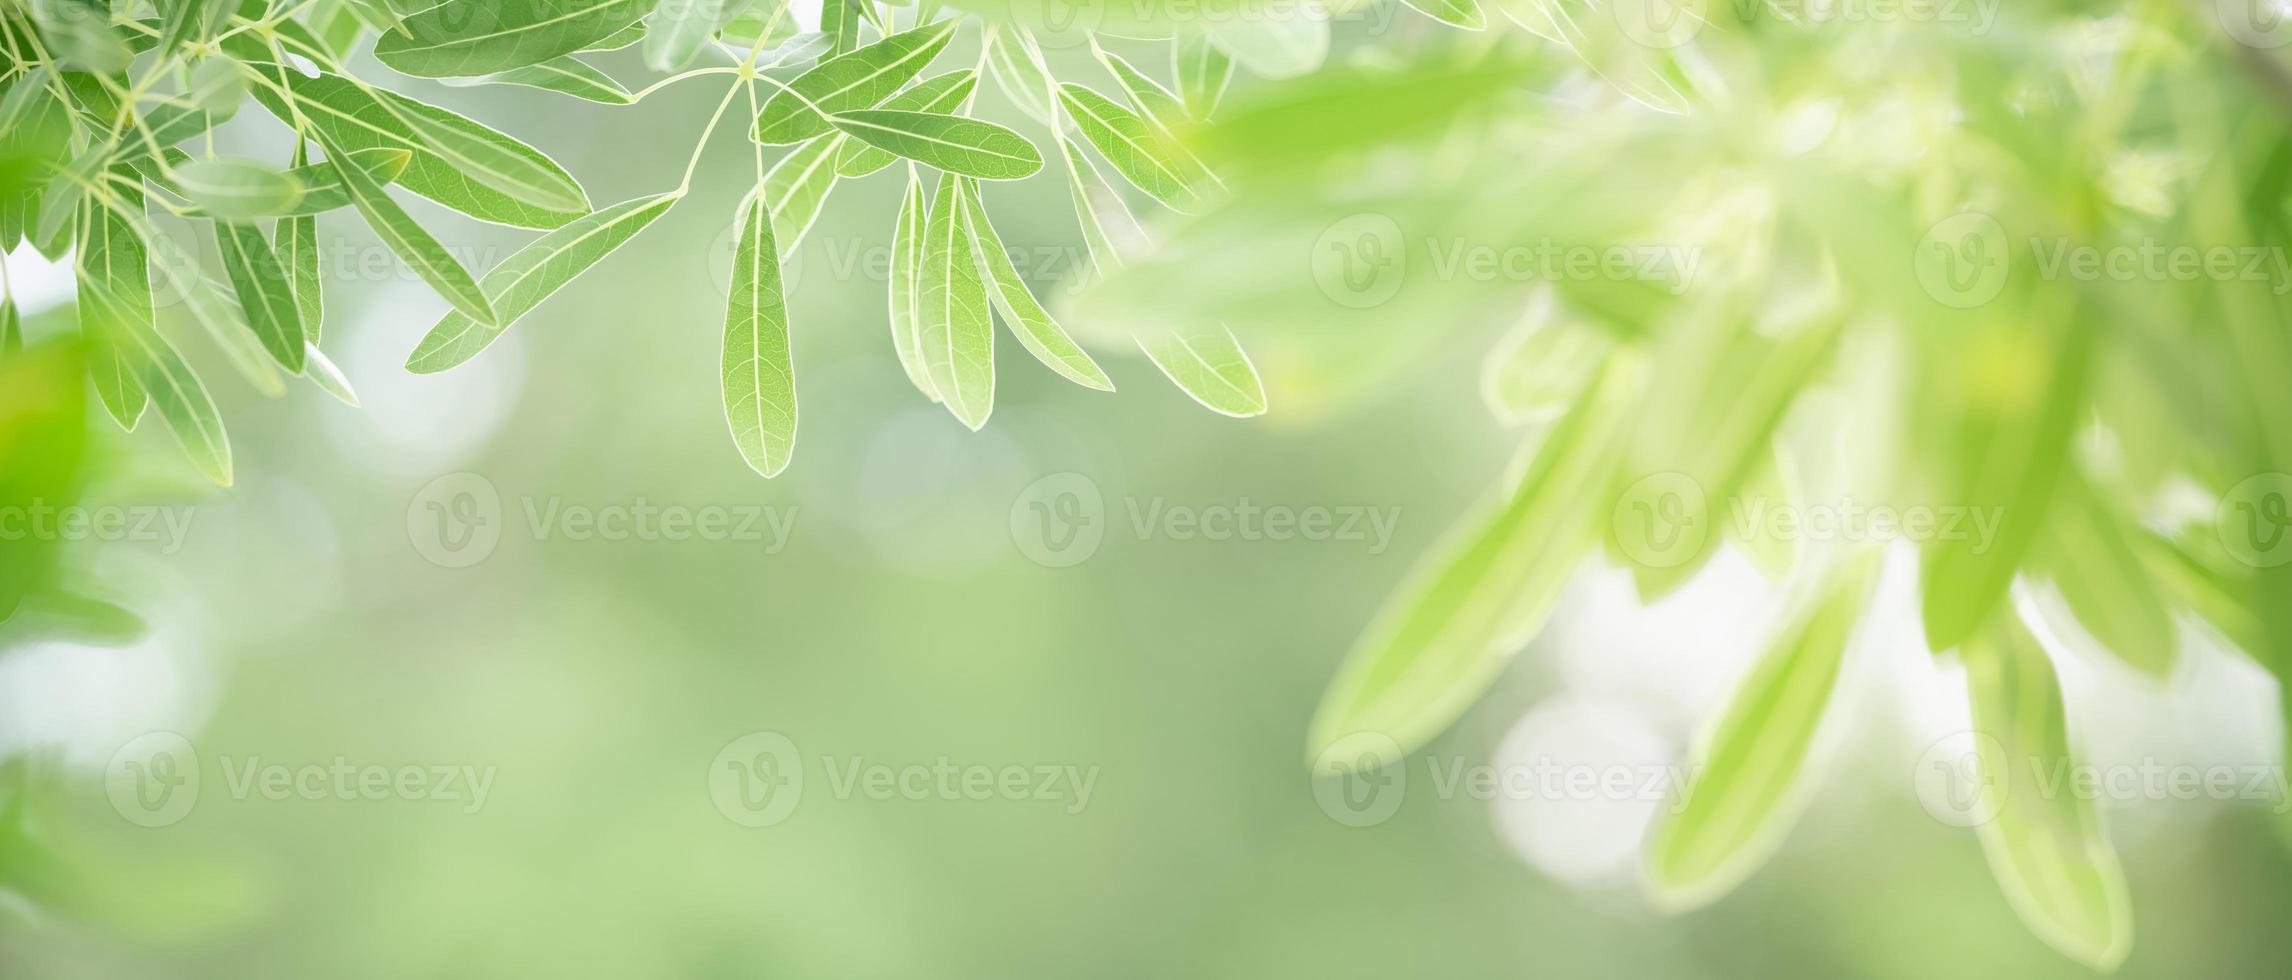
<point>1819,169</point>
<point>105,107</point>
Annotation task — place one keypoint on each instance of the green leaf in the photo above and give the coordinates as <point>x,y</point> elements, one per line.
<point>2087,552</point>
<point>1157,105</point>
<point>797,187</point>
<point>1455,13</point>
<point>619,39</point>
<point>265,294</point>
<point>114,270</point>
<point>480,37</point>
<point>61,201</point>
<point>940,93</point>
<point>950,143</point>
<point>321,186</point>
<point>853,81</point>
<point>1273,46</point>
<point>1209,365</point>
<point>506,167</point>
<point>840,21</point>
<point>1025,317</point>
<point>957,333</point>
<point>678,29</point>
<point>565,75</point>
<point>2044,842</point>
<point>1109,231</point>
<point>907,238</point>
<point>407,238</point>
<point>1017,64</point>
<point>69,615</point>
<point>1203,71</point>
<point>759,367</point>
<point>222,319</point>
<point>1136,152</point>
<point>329,378</point>
<point>79,35</point>
<point>442,147</point>
<point>1740,800</point>
<point>1443,636</point>
<point>1541,366</point>
<point>296,242</point>
<point>11,327</point>
<point>539,269</point>
<point>179,398</point>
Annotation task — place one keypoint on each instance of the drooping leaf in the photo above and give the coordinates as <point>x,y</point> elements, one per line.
<point>407,238</point>
<point>797,187</point>
<point>2088,553</point>
<point>1109,230</point>
<point>1136,152</point>
<point>223,321</point>
<point>1748,768</point>
<point>957,332</point>
<point>759,373</point>
<point>907,238</point>
<point>1455,13</point>
<point>526,278</point>
<point>329,378</point>
<point>1017,64</point>
<point>1025,317</point>
<point>1443,635</point>
<point>853,81</point>
<point>266,296</point>
<point>940,93</point>
<point>11,327</point>
<point>321,186</point>
<point>678,29</point>
<point>2044,841</point>
<point>1209,365</point>
<point>1160,107</point>
<point>480,37</point>
<point>1203,71</point>
<point>565,75</point>
<point>177,395</point>
<point>114,268</point>
<point>295,240</point>
<point>953,144</point>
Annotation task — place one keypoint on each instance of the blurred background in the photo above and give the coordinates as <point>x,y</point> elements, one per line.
<point>1029,701</point>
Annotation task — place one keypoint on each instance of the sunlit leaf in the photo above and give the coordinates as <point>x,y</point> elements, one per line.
<point>2087,552</point>
<point>1129,144</point>
<point>329,378</point>
<point>407,238</point>
<point>565,75</point>
<point>480,37</point>
<point>266,296</point>
<point>956,330</point>
<point>1016,62</point>
<point>1203,71</point>
<point>907,239</point>
<point>856,80</point>
<point>1455,13</point>
<point>1025,317</point>
<point>759,365</point>
<point>940,93</point>
<point>797,187</point>
<point>953,144</point>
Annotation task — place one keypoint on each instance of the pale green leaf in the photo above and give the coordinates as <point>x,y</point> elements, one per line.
<point>1109,231</point>
<point>526,278</point>
<point>321,186</point>
<point>856,80</point>
<point>759,372</point>
<point>956,330</point>
<point>296,242</point>
<point>953,144</point>
<point>797,187</point>
<point>222,319</point>
<point>266,295</point>
<point>678,29</point>
<point>1135,150</point>
<point>1017,64</point>
<point>112,266</point>
<point>940,93</point>
<point>1455,13</point>
<point>1160,107</point>
<point>1025,317</point>
<point>11,327</point>
<point>407,238</point>
<point>1274,46</point>
<point>2088,553</point>
<point>480,37</point>
<point>1209,365</point>
<point>329,378</point>
<point>1541,365</point>
<point>565,75</point>
<point>907,237</point>
<point>1203,71</point>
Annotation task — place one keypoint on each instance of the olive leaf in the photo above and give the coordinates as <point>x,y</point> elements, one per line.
<point>266,296</point>
<point>1025,317</point>
<point>797,187</point>
<point>907,238</point>
<point>855,80</point>
<point>759,371</point>
<point>953,144</point>
<point>480,37</point>
<point>406,237</point>
<point>956,332</point>
<point>940,93</point>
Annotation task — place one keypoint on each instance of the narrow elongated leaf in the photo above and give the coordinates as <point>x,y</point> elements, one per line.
<point>2087,552</point>
<point>678,29</point>
<point>1455,13</point>
<point>1748,768</point>
<point>1209,365</point>
<point>565,75</point>
<point>1139,154</point>
<point>940,93</point>
<point>1203,71</point>
<point>1109,231</point>
<point>1275,46</point>
<point>321,186</point>
<point>840,21</point>
<point>480,37</point>
<point>1159,106</point>
<point>1016,63</point>
<point>504,167</point>
<point>113,267</point>
<point>619,39</point>
<point>759,365</point>
<point>178,397</point>
<point>797,187</point>
<point>2044,842</point>
<point>407,238</point>
<point>11,327</point>
<point>907,237</point>
<point>950,143</point>
<point>523,280</point>
<point>357,120</point>
<point>222,320</point>
<point>1487,590</point>
<point>265,294</point>
<point>1540,367</point>
<point>329,378</point>
<point>296,242</point>
<point>853,81</point>
<point>1027,319</point>
<point>55,614</point>
<point>957,332</point>
<point>61,201</point>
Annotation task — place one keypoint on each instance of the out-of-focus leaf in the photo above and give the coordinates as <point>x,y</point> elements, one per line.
<point>759,365</point>
<point>678,29</point>
<point>1441,638</point>
<point>1455,13</point>
<point>940,94</point>
<point>79,35</point>
<point>57,614</point>
<point>1209,365</point>
<point>526,278</point>
<point>237,190</point>
<point>1144,158</point>
<point>266,295</point>
<point>1203,71</point>
<point>1109,231</point>
<point>957,333</point>
<point>1740,800</point>
<point>1275,46</point>
<point>480,37</point>
<point>2087,553</point>
<point>856,80</point>
<point>407,238</point>
<point>1025,317</point>
<point>565,75</point>
<point>1541,365</point>
<point>954,144</point>
<point>1016,63</point>
<point>2044,842</point>
<point>43,434</point>
<point>221,319</point>
<point>329,378</point>
<point>797,187</point>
